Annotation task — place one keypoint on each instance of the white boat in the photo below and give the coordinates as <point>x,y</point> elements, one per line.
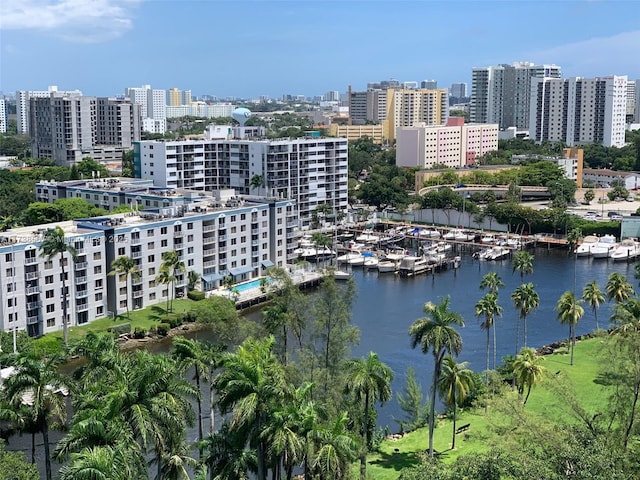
<point>313,253</point>
<point>493,253</point>
<point>584,249</point>
<point>341,275</point>
<point>371,262</point>
<point>387,266</point>
<point>628,250</point>
<point>488,239</point>
<point>413,265</point>
<point>605,247</point>
<point>347,257</point>
<point>451,234</point>
<point>430,233</point>
<point>514,242</point>
<point>464,236</point>
<point>436,258</point>
<point>360,259</point>
<point>367,236</point>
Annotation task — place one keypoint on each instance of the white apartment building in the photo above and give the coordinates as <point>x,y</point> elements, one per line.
<point>153,107</point>
<point>631,97</point>
<point>636,110</point>
<point>579,111</point>
<point>311,171</point>
<point>67,128</point>
<point>3,116</point>
<point>23,105</point>
<point>231,236</point>
<point>454,145</point>
<point>201,109</point>
<point>501,94</point>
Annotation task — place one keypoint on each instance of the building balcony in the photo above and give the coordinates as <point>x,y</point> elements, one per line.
<point>209,251</point>
<point>82,293</point>
<point>222,238</point>
<point>80,251</point>
<point>30,260</point>
<point>135,241</point>
<point>209,228</point>
<point>208,240</point>
<point>32,320</point>
<point>209,264</point>
<point>81,265</point>
<point>31,275</point>
<point>138,294</point>
<point>136,254</point>
<point>32,290</point>
<point>82,307</point>
<point>81,280</point>
<point>33,305</point>
<point>178,234</point>
<point>136,281</point>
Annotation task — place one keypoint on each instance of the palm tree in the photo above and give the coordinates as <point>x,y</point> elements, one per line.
<point>618,289</point>
<point>250,382</point>
<point>320,240</point>
<point>334,450</point>
<point>257,182</point>
<point>192,280</point>
<point>492,282</point>
<point>38,383</point>
<point>527,370</point>
<point>569,313</point>
<point>165,277</point>
<point>127,267</point>
<point>368,380</point>
<point>525,299</point>
<point>173,265</point>
<point>488,307</point>
<point>55,243</point>
<point>436,332</point>
<point>191,354</point>
<point>228,283</point>
<point>593,296</point>
<point>523,263</point>
<point>227,456</point>
<point>100,463</point>
<point>456,380</point>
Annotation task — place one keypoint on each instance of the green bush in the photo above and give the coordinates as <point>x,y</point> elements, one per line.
<point>139,333</point>
<point>121,329</point>
<point>163,329</point>
<point>47,345</point>
<point>173,319</point>
<point>195,295</point>
<point>189,316</point>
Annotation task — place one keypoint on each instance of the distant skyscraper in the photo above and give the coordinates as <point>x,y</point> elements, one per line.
<point>3,116</point>
<point>579,111</point>
<point>631,97</point>
<point>636,113</point>
<point>186,97</point>
<point>175,97</point>
<point>410,84</point>
<point>332,96</point>
<point>153,106</point>
<point>458,90</point>
<point>22,104</point>
<point>501,94</point>
<point>430,84</point>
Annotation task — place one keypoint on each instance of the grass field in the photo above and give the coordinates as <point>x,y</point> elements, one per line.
<point>544,400</point>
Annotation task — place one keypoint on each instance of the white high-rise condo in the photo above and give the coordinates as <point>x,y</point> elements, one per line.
<point>579,111</point>
<point>22,104</point>
<point>500,94</point>
<point>3,116</point>
<point>153,107</point>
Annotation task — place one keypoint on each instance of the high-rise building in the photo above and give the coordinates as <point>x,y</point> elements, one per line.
<point>175,97</point>
<point>67,128</point>
<point>153,107</point>
<point>3,115</point>
<point>579,111</point>
<point>410,84</point>
<point>458,90</point>
<point>397,107</point>
<point>332,96</point>
<point>312,171</point>
<point>501,94</point>
<point>631,97</point>
<point>636,111</point>
<point>430,84</point>
<point>22,104</point>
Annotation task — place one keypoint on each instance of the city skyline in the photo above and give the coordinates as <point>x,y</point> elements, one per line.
<point>248,49</point>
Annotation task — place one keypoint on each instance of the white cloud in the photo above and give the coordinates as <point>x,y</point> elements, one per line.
<point>75,20</point>
<point>600,56</point>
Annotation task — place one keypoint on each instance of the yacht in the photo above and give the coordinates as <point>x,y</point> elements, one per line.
<point>347,257</point>
<point>488,239</point>
<point>584,249</point>
<point>464,236</point>
<point>387,266</point>
<point>341,275</point>
<point>451,234</point>
<point>628,250</point>
<point>413,265</point>
<point>605,247</point>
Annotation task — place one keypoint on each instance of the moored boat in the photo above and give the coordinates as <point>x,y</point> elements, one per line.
<point>628,249</point>
<point>584,249</point>
<point>605,247</point>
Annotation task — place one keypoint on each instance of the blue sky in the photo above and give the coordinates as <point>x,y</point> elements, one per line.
<point>244,48</point>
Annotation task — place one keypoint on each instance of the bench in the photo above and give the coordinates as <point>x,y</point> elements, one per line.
<point>463,428</point>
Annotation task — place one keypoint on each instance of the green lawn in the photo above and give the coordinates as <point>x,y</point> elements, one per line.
<point>543,400</point>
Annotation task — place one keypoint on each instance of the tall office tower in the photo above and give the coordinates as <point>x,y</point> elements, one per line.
<point>579,111</point>
<point>186,97</point>
<point>636,110</point>
<point>153,107</point>
<point>430,84</point>
<point>67,128</point>
<point>174,97</point>
<point>3,116</point>
<point>312,171</point>
<point>458,90</point>
<point>410,84</point>
<point>500,94</point>
<point>22,104</point>
<point>631,97</point>
<point>332,96</point>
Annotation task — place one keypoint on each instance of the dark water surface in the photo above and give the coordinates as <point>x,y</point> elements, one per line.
<point>386,305</point>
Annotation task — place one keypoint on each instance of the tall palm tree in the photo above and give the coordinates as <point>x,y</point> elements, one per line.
<point>100,463</point>
<point>54,243</point>
<point>38,383</point>
<point>257,182</point>
<point>127,267</point>
<point>436,332</point>
<point>173,265</point>
<point>227,455</point>
<point>320,240</point>
<point>593,296</point>
<point>250,382</point>
<point>492,282</point>
<point>527,370</point>
<point>525,299</point>
<point>165,277</point>
<point>618,289</point>
<point>569,313</point>
<point>489,308</point>
<point>191,354</point>
<point>573,239</point>
<point>369,380</point>
<point>456,380</point>
<point>334,450</point>
<point>193,278</point>
<point>523,263</point>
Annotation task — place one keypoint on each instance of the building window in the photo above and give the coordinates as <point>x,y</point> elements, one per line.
<point>151,258</point>
<point>97,269</point>
<point>164,243</point>
<point>97,255</point>
<point>51,322</point>
<point>152,271</point>
<point>99,311</point>
<point>49,294</point>
<point>150,232</point>
<point>48,279</point>
<point>151,245</point>
<point>51,308</point>
<point>98,296</point>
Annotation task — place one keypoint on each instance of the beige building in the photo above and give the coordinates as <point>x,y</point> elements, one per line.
<point>454,145</point>
<point>354,132</point>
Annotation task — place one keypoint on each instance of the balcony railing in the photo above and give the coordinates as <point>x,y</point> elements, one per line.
<point>136,254</point>
<point>32,320</point>
<point>209,228</point>
<point>33,305</point>
<point>82,293</point>
<point>31,275</point>
<point>209,251</point>
<point>82,307</point>
<point>138,294</point>
<point>208,240</point>
<point>32,290</point>
<point>30,260</point>
<point>178,234</point>
<point>135,241</point>
<point>80,280</point>
<point>81,265</point>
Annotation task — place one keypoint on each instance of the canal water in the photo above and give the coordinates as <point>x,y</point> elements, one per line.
<point>386,306</point>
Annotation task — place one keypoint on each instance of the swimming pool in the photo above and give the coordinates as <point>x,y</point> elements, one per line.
<point>243,287</point>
